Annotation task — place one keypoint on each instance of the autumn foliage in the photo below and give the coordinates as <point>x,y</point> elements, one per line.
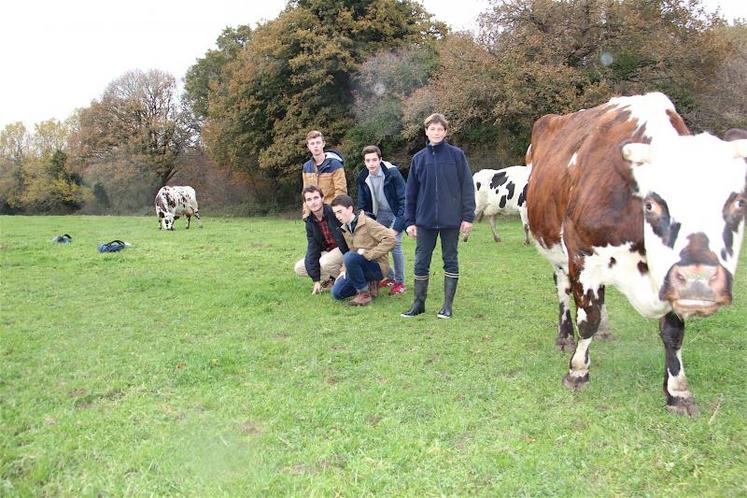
<point>368,72</point>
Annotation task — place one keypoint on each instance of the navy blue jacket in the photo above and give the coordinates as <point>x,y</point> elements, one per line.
<point>394,191</point>
<point>439,191</point>
<point>315,241</point>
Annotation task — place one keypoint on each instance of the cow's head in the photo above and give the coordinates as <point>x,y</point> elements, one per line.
<point>694,192</point>
<point>167,221</point>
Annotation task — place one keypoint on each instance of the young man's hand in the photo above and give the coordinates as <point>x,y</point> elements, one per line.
<point>466,228</point>
<point>317,288</point>
<point>412,231</point>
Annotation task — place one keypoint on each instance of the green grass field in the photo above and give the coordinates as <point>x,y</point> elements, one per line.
<point>196,363</point>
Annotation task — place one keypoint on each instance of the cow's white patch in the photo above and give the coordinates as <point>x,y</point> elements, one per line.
<point>640,289</point>
<point>580,315</point>
<point>677,384</point>
<point>579,363</point>
<point>649,111</point>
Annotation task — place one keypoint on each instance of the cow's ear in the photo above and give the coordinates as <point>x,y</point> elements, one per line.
<point>739,147</point>
<point>637,153</point>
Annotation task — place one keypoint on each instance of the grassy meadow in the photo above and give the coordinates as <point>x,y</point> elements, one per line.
<point>195,363</point>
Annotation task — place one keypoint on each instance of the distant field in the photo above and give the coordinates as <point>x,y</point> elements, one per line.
<point>196,363</point>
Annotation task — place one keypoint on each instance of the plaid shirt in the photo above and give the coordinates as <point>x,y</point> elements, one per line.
<point>329,239</point>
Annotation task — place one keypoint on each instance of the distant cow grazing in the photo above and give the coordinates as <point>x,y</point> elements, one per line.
<point>501,191</point>
<point>173,202</point>
<point>622,194</point>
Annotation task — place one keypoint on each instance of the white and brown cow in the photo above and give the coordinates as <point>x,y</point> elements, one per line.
<point>501,191</point>
<point>622,194</point>
<point>173,202</point>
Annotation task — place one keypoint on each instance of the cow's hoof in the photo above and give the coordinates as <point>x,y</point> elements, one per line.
<point>526,243</point>
<point>683,406</point>
<point>604,335</point>
<point>565,344</point>
<point>497,239</point>
<point>576,382</point>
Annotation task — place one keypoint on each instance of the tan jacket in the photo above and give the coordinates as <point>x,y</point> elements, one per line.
<point>328,176</point>
<point>374,238</point>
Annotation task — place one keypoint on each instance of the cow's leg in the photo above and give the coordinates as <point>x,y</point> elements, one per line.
<point>492,220</point>
<point>588,316</point>
<point>525,224</point>
<point>603,332</point>
<point>564,341</point>
<point>679,398</point>
<point>189,220</point>
<point>199,221</point>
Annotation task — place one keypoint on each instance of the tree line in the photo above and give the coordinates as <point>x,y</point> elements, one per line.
<point>368,72</point>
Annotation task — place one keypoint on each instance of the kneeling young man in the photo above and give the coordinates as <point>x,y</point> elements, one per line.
<point>325,243</point>
<point>367,260</point>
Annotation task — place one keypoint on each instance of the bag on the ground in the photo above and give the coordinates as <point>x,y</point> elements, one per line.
<point>113,246</point>
<point>62,239</point>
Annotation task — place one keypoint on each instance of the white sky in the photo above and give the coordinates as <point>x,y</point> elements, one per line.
<point>58,55</point>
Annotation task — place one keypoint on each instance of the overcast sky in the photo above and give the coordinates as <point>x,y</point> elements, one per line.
<point>58,55</point>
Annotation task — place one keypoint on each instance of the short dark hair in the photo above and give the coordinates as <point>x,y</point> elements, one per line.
<point>342,200</point>
<point>438,118</point>
<point>371,149</point>
<point>309,189</point>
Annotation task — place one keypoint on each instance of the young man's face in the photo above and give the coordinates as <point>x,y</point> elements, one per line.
<point>435,133</point>
<point>343,214</point>
<point>313,201</point>
<point>316,146</point>
<point>372,161</point>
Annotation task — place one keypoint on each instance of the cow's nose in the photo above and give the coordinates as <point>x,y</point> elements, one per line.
<point>694,277</point>
<point>698,289</point>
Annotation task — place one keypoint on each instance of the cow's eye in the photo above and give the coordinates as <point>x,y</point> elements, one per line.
<point>652,207</point>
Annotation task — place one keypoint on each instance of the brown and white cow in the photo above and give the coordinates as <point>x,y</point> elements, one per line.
<point>173,202</point>
<point>622,194</point>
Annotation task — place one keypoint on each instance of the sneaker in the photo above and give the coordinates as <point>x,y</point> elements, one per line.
<point>397,288</point>
<point>387,282</point>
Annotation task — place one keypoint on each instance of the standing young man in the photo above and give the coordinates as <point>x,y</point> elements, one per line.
<point>381,191</point>
<point>367,261</point>
<point>440,201</point>
<point>325,242</point>
<point>324,169</point>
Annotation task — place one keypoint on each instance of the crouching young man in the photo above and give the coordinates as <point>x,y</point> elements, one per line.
<point>325,243</point>
<point>367,260</point>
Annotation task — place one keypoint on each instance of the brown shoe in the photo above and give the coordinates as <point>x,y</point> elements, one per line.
<point>373,287</point>
<point>361,299</point>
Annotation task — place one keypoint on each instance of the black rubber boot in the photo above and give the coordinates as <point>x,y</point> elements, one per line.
<point>418,306</point>
<point>450,285</point>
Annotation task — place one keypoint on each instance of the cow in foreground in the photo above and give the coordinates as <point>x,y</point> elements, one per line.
<point>174,202</point>
<point>501,191</point>
<point>622,194</point>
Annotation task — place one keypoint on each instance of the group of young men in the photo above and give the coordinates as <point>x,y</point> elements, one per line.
<point>349,245</point>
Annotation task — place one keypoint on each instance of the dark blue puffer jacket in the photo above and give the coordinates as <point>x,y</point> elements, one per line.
<point>394,191</point>
<point>439,191</point>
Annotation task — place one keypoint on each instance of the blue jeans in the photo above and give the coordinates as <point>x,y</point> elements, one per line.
<point>358,273</point>
<point>386,218</point>
<point>426,242</point>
